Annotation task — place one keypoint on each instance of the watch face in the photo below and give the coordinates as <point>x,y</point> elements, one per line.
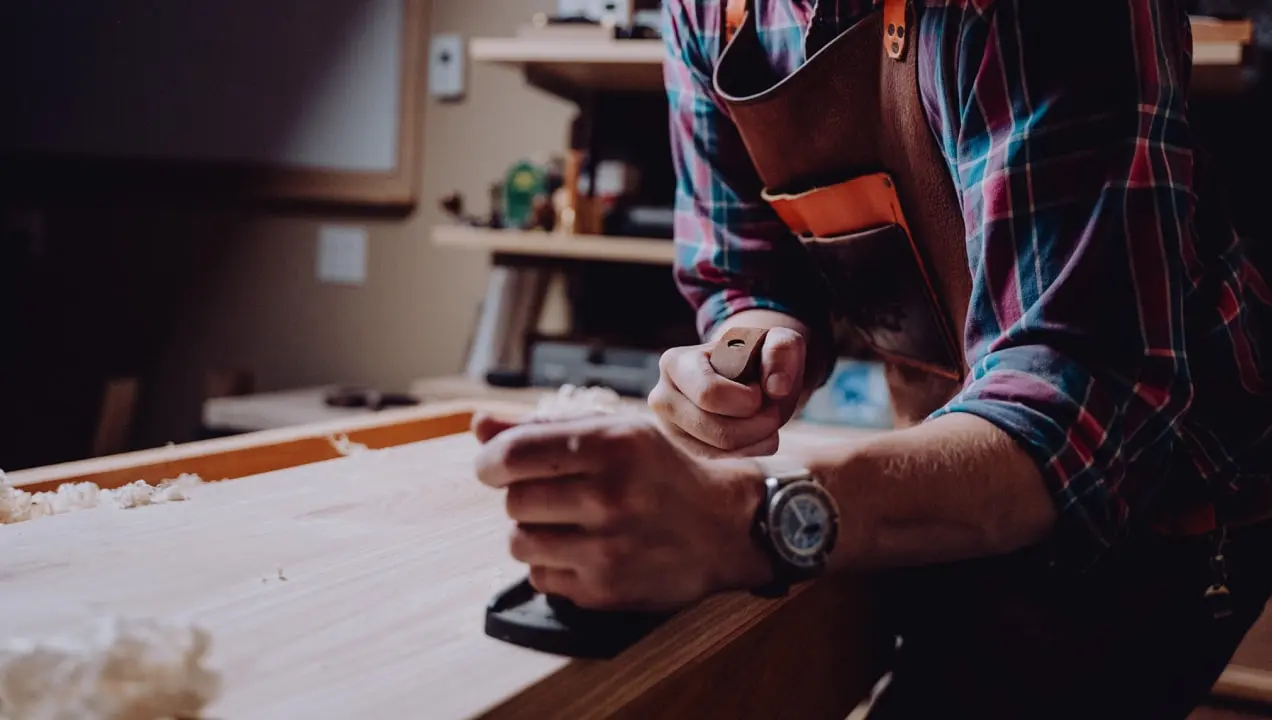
<point>803,525</point>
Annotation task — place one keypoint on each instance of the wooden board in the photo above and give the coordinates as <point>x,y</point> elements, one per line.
<point>1249,678</point>
<point>355,587</point>
<point>574,68</point>
<point>644,251</point>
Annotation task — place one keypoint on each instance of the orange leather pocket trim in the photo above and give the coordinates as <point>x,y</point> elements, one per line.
<point>734,16</point>
<point>845,226</point>
<point>859,204</point>
<point>896,33</point>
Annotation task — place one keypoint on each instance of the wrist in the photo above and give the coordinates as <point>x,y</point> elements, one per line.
<point>741,563</point>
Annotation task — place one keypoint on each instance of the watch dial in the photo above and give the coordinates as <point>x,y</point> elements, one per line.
<point>804,525</point>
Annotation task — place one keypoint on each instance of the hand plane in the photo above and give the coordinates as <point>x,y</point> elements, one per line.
<point>525,617</point>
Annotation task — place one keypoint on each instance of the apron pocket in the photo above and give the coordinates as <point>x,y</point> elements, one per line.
<point>880,288</point>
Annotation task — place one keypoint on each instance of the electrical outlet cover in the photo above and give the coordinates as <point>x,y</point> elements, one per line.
<point>446,67</point>
<point>342,255</point>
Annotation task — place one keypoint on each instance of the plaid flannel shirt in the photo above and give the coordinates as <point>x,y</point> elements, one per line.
<point>1110,336</point>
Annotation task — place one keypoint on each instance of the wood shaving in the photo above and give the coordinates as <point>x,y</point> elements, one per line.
<point>571,402</point>
<point>345,446</point>
<point>125,669</point>
<point>17,505</point>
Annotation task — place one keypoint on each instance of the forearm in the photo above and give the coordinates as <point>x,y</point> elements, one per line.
<point>951,489</point>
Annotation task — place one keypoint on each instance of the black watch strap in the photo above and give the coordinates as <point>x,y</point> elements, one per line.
<point>775,588</point>
<point>779,584</point>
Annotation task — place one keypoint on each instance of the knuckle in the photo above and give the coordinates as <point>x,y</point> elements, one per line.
<point>485,469</point>
<point>517,498</point>
<point>785,338</point>
<point>605,505</point>
<point>677,363</point>
<point>518,545</point>
<point>667,361</point>
<point>509,453</point>
<point>540,577</point>
<point>660,400</point>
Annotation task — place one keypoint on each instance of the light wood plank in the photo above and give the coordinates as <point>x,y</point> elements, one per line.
<point>355,588</point>
<point>556,245</point>
<point>571,68</point>
<point>594,52</point>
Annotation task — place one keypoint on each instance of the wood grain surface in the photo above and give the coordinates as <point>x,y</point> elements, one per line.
<point>355,588</point>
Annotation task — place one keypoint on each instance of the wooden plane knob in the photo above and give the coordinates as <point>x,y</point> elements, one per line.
<point>736,354</point>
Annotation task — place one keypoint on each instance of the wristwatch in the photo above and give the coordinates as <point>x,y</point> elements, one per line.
<point>796,525</point>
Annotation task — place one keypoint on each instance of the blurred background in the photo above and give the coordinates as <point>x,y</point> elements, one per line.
<point>223,216</point>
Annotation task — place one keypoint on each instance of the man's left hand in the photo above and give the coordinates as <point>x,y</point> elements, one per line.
<point>612,515</point>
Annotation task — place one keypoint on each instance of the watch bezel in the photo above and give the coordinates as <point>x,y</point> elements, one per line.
<point>781,493</point>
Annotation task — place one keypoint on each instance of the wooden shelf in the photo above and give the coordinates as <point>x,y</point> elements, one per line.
<point>541,244</point>
<point>573,68</point>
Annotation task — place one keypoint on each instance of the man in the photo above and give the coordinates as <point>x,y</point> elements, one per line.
<point>1069,520</point>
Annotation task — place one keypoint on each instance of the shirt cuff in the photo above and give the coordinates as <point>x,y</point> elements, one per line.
<point>723,305</point>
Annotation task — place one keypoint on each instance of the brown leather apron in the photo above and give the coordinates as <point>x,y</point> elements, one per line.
<point>842,145</point>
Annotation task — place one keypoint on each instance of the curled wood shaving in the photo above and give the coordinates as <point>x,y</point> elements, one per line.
<point>17,505</point>
<point>124,669</point>
<point>345,446</point>
<point>571,402</point>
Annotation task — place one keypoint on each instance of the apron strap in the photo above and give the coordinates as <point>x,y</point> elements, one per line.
<point>734,16</point>
<point>896,30</point>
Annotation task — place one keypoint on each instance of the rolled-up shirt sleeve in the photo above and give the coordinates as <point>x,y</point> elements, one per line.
<point>732,251</point>
<point>1073,155</point>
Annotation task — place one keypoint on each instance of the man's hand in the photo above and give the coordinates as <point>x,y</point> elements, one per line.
<point>713,416</point>
<point>612,515</point>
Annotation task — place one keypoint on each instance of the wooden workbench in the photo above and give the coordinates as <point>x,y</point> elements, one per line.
<point>355,587</point>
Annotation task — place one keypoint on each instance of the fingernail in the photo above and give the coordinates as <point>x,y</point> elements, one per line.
<point>778,385</point>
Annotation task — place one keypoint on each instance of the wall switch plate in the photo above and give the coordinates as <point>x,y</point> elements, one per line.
<point>446,67</point>
<point>342,255</point>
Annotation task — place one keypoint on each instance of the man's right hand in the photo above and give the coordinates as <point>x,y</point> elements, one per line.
<point>714,416</point>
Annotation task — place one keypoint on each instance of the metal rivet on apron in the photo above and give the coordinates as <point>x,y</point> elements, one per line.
<point>901,31</point>
<point>896,47</point>
<point>892,29</point>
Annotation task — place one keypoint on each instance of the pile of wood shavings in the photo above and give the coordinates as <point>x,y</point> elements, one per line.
<point>571,402</point>
<point>17,505</point>
<point>126,669</point>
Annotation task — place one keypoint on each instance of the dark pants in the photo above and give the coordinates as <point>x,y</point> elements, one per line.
<point>1133,638</point>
